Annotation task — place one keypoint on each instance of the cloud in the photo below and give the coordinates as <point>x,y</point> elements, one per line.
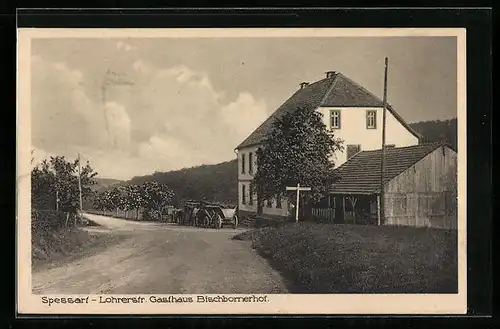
<point>189,119</point>
<point>169,119</point>
<point>139,65</point>
<point>120,45</point>
<point>63,114</point>
<point>119,124</point>
<point>38,155</point>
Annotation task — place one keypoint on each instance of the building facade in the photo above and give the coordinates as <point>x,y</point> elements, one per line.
<point>420,188</point>
<point>349,111</point>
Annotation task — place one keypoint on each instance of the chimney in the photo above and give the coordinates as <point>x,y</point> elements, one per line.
<point>330,74</point>
<point>303,85</point>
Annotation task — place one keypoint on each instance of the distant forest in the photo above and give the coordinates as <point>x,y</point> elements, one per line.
<point>218,183</point>
<point>438,130</point>
<point>214,183</point>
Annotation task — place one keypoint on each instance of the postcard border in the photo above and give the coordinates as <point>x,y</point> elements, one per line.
<point>281,304</point>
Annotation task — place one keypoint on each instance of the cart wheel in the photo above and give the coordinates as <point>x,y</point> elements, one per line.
<point>219,222</point>
<point>235,221</point>
<point>207,221</point>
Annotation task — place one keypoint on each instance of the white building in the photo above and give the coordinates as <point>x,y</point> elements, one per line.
<point>350,111</point>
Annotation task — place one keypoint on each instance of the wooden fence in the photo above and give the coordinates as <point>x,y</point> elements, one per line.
<point>130,215</point>
<point>136,215</point>
<point>323,214</point>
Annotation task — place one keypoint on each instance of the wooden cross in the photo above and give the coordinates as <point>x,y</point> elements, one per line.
<point>298,189</point>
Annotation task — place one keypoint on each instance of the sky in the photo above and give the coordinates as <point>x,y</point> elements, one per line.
<point>171,103</point>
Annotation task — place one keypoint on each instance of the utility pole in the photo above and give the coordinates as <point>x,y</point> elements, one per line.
<point>80,183</point>
<point>56,183</point>
<point>382,165</point>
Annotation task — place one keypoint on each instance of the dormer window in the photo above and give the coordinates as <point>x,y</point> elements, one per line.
<point>371,119</point>
<point>335,119</point>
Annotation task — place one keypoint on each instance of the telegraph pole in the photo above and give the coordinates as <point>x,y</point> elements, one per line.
<point>382,166</point>
<point>80,183</point>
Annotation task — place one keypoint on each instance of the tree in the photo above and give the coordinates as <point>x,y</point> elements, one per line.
<point>54,184</point>
<point>105,201</point>
<point>156,197</point>
<point>298,149</point>
<point>43,192</point>
<point>135,198</point>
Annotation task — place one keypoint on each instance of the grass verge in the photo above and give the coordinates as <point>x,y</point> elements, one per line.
<point>325,258</point>
<point>54,248</point>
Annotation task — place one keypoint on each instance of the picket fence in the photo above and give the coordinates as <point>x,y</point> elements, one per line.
<point>135,215</point>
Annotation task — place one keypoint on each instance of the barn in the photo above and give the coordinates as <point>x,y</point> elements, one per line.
<point>420,188</point>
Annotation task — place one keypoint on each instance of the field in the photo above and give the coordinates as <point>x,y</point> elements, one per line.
<point>324,258</point>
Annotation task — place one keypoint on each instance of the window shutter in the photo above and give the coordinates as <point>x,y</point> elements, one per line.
<point>352,150</point>
<point>250,199</point>
<point>250,162</point>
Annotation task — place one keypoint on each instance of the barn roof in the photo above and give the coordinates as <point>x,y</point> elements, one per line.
<point>361,173</point>
<point>337,90</point>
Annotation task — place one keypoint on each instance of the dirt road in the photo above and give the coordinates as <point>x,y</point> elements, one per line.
<point>163,259</point>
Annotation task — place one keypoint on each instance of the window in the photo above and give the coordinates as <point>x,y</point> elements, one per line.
<point>352,150</point>
<point>250,162</point>
<point>250,199</point>
<point>243,194</point>
<point>334,119</point>
<point>278,201</point>
<point>371,119</point>
<point>269,203</point>
<point>243,163</point>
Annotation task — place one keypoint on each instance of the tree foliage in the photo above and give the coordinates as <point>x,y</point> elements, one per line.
<point>299,149</point>
<point>213,183</point>
<point>54,184</point>
<point>437,131</point>
<point>150,196</point>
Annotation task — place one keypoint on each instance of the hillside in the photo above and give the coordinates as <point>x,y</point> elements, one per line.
<point>219,182</point>
<point>104,183</point>
<point>207,182</point>
<point>438,130</point>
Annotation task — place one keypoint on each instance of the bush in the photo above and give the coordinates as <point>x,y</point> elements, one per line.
<point>50,220</point>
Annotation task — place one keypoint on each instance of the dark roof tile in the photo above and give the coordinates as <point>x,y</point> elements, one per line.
<point>337,90</point>
<point>308,97</point>
<point>361,173</point>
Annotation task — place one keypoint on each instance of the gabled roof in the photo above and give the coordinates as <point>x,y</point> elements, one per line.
<point>337,90</point>
<point>361,173</point>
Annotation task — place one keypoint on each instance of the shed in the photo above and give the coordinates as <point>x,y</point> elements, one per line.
<point>420,188</point>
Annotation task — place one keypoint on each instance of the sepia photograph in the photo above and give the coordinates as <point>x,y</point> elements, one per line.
<point>241,170</point>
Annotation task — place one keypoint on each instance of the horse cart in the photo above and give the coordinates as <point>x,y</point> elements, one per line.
<point>188,214</point>
<point>217,216</point>
<point>203,214</point>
